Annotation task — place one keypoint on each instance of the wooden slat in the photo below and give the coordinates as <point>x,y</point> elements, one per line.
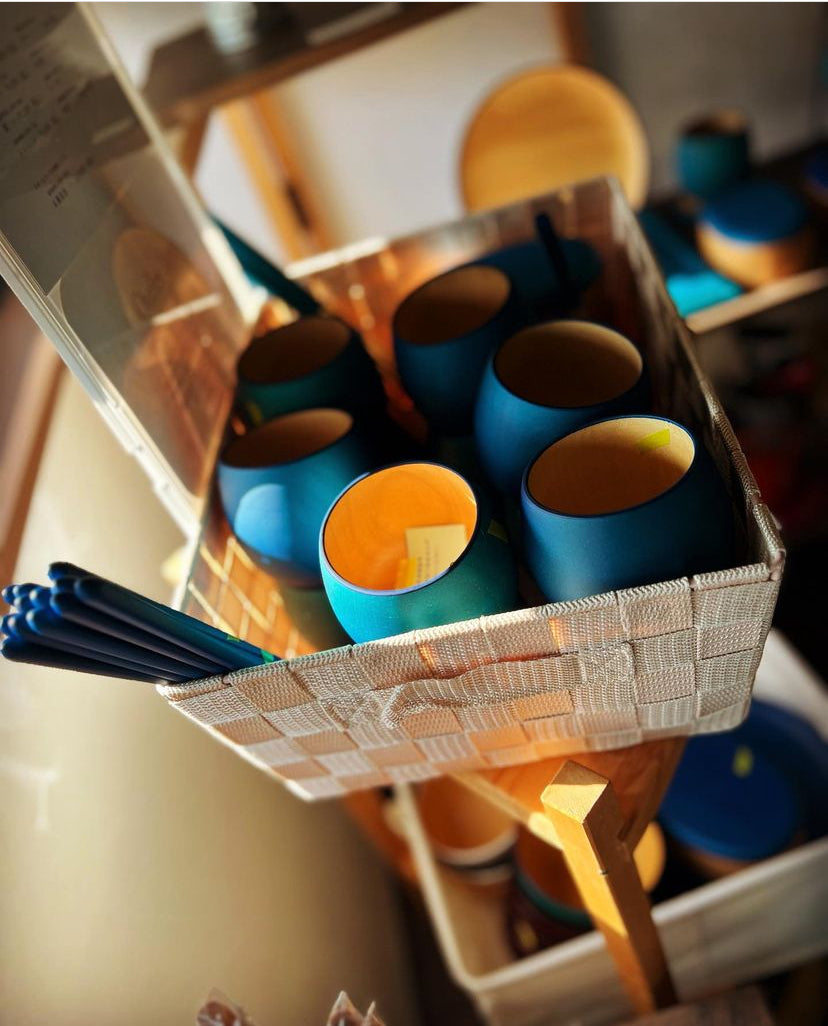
<point>23,440</point>
<point>640,775</point>
<point>587,818</point>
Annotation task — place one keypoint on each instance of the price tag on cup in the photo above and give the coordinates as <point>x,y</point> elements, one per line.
<point>430,550</point>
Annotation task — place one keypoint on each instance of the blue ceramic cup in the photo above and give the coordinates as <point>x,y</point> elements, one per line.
<point>410,546</point>
<point>277,481</point>
<point>713,153</point>
<point>444,332</point>
<point>623,502</point>
<point>312,362</point>
<point>546,381</point>
<point>536,281</point>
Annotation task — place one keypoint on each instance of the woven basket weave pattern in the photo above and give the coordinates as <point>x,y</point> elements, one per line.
<point>673,658</point>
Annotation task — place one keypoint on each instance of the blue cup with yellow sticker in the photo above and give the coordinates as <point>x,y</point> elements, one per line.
<point>548,380</point>
<point>316,361</point>
<point>444,332</point>
<point>622,502</point>
<point>413,545</point>
<point>277,481</point>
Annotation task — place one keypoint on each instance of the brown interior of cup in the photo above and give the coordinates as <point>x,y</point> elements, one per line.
<point>364,537</point>
<point>728,121</point>
<point>452,305</point>
<point>610,466</point>
<point>294,350</point>
<point>288,438</point>
<point>568,364</point>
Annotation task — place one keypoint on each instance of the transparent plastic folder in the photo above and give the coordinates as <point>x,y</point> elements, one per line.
<point>105,244</point>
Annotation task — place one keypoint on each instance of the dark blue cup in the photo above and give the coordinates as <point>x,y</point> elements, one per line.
<point>278,480</point>
<point>623,502</point>
<point>537,284</point>
<point>713,153</point>
<point>546,381</point>
<point>444,332</point>
<point>312,362</point>
<point>411,546</point>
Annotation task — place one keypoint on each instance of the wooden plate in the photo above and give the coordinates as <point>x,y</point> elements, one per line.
<point>552,127</point>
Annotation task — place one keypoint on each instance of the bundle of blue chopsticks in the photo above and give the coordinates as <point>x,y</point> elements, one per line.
<point>84,622</point>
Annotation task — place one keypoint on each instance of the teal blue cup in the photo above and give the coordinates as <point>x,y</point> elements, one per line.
<point>546,381</point>
<point>410,546</point>
<point>277,481</point>
<point>312,362</point>
<point>713,153</point>
<point>444,332</point>
<point>623,502</point>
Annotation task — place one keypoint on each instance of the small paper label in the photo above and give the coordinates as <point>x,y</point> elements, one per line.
<point>430,550</point>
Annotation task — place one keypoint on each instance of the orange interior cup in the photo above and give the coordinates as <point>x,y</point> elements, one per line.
<point>364,537</point>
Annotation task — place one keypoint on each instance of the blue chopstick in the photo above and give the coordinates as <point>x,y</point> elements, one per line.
<point>54,630</point>
<point>71,609</point>
<point>20,651</point>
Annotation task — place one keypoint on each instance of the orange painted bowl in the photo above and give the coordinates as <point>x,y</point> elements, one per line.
<point>544,906</point>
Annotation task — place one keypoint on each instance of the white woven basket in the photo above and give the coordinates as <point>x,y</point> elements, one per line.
<point>672,658</point>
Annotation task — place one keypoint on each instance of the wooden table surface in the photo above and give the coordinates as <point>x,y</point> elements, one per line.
<point>188,76</point>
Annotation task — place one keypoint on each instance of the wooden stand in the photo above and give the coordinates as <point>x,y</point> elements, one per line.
<point>595,810</point>
<point>587,818</point>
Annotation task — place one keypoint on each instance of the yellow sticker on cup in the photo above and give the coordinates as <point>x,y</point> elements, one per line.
<point>656,440</point>
<point>430,551</point>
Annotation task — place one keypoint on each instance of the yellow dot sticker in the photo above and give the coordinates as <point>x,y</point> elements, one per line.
<point>656,440</point>
<point>742,762</point>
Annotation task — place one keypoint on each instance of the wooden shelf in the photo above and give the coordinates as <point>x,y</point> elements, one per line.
<point>757,301</point>
<point>188,76</point>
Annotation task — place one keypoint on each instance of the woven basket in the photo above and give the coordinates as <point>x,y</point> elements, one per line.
<point>673,658</point>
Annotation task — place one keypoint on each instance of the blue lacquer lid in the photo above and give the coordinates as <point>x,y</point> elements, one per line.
<point>730,797</point>
<point>756,211</point>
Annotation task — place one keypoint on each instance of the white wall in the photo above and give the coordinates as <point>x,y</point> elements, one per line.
<point>677,61</point>
<point>381,129</point>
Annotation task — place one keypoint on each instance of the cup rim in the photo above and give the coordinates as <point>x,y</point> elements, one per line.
<point>327,565</point>
<point>242,377</point>
<point>527,495</point>
<point>455,339</point>
<point>719,123</point>
<point>259,467</point>
<point>552,406</point>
